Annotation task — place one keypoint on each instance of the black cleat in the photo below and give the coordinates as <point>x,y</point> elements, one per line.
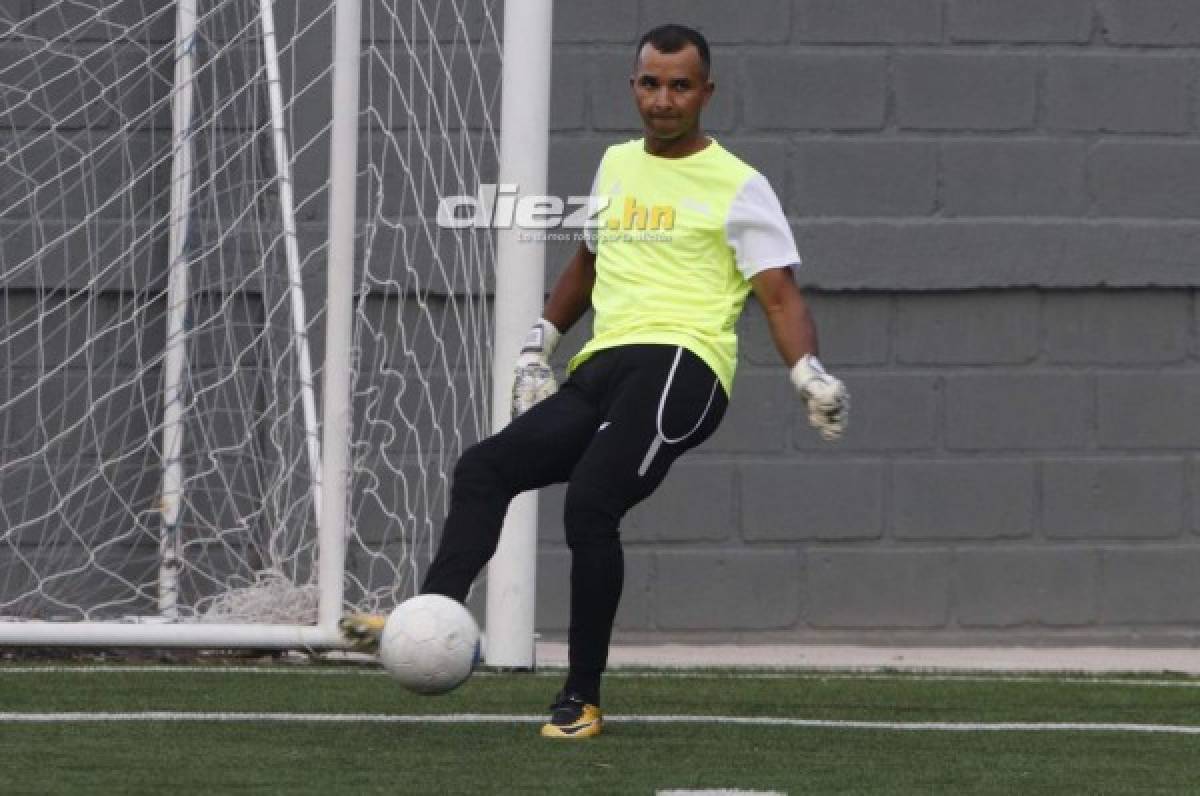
<point>572,717</point>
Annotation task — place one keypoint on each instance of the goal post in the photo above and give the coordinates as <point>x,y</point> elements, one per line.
<point>339,319</point>
<point>520,285</point>
<point>206,233</point>
<point>182,159</point>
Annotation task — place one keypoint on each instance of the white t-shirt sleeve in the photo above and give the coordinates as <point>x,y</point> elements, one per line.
<point>757,230</point>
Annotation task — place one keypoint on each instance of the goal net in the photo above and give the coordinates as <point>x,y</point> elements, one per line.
<point>164,194</point>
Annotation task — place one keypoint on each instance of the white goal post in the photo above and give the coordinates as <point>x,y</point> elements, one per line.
<point>240,358</point>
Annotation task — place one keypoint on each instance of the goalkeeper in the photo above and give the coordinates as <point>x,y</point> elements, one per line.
<point>689,230</point>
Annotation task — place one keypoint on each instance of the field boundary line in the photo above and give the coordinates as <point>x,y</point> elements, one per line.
<point>733,674</point>
<point>491,718</point>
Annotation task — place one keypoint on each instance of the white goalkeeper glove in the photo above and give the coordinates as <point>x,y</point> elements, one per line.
<point>825,397</point>
<point>534,379</point>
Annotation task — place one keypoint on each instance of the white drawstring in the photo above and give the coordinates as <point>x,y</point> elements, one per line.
<point>659,436</point>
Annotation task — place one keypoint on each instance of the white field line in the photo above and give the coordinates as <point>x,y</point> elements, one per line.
<point>672,674</point>
<point>489,718</point>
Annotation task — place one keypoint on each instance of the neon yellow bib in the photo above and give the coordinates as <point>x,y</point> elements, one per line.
<point>665,272</point>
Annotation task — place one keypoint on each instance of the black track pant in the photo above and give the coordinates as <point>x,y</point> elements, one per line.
<point>612,431</point>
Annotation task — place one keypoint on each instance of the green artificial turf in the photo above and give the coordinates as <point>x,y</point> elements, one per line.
<point>353,756</point>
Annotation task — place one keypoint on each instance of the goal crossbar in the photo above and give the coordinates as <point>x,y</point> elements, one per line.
<point>151,633</point>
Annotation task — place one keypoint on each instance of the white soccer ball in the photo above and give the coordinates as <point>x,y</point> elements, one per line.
<point>430,644</point>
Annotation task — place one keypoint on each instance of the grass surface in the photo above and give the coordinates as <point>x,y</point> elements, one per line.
<point>631,757</point>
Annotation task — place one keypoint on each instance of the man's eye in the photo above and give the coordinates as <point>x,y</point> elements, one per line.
<point>681,85</point>
<point>648,82</point>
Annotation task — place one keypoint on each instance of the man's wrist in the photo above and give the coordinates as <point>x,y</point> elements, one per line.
<point>807,368</point>
<point>542,339</point>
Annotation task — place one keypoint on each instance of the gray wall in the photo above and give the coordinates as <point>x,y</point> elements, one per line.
<point>997,204</point>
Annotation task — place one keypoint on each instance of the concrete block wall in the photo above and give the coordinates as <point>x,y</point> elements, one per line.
<point>996,205</point>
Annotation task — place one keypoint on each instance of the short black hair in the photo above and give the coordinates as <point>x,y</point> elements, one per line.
<point>672,39</point>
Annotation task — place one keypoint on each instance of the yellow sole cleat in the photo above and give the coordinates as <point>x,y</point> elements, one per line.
<point>362,631</point>
<point>571,717</point>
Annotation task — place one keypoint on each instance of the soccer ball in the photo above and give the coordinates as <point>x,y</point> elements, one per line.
<point>429,644</point>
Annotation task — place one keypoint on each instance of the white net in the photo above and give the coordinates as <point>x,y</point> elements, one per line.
<point>86,153</point>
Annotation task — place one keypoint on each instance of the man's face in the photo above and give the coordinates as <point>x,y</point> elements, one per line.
<point>671,90</point>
